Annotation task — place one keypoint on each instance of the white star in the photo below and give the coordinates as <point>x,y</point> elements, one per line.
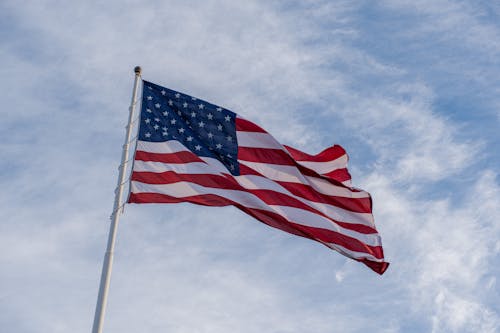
<point>193,114</point>
<point>149,98</point>
<point>156,126</point>
<point>165,133</point>
<point>173,121</point>
<point>150,88</point>
<point>157,105</point>
<point>210,135</point>
<point>201,106</point>
<point>165,113</point>
<point>229,138</point>
<point>149,110</point>
<point>197,147</point>
<point>201,124</point>
<point>170,102</point>
<point>231,167</point>
<point>147,135</point>
<point>210,116</point>
<point>228,118</point>
<point>177,95</point>
<point>219,109</point>
<point>219,127</point>
<point>157,119</point>
<point>185,104</point>
<point>193,98</point>
<point>164,129</point>
<point>218,146</point>
<point>163,92</point>
<point>147,120</point>
<point>181,130</point>
<point>179,113</point>
<point>229,155</point>
<point>189,138</point>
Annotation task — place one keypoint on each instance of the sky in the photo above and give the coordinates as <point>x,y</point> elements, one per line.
<point>411,89</point>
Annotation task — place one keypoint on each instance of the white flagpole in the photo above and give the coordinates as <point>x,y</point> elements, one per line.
<point>117,209</point>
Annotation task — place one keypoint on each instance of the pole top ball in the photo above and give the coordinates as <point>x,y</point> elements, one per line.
<point>137,70</point>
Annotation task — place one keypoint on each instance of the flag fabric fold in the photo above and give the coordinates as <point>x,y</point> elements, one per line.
<point>189,150</point>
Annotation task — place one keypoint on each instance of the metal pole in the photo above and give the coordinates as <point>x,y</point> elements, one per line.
<point>108,256</point>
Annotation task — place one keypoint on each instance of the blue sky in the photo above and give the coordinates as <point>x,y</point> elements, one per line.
<point>411,89</point>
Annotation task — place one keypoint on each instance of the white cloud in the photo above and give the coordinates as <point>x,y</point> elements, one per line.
<point>459,315</point>
<point>412,141</point>
<point>460,20</point>
<point>448,253</point>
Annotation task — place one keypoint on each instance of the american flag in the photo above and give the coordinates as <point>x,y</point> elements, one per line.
<point>189,150</point>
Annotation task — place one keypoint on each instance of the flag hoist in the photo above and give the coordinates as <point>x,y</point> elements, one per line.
<point>115,216</point>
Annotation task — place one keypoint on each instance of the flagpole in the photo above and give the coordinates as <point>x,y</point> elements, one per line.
<point>108,256</point>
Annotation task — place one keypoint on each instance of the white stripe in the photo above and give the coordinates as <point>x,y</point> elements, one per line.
<point>352,254</point>
<point>286,173</point>
<point>186,168</point>
<point>257,140</point>
<point>253,182</point>
<point>325,167</point>
<point>347,183</point>
<point>167,147</point>
<point>325,187</point>
<point>215,163</point>
<point>295,215</point>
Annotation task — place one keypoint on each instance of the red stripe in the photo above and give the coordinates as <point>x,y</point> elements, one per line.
<point>378,267</point>
<point>327,155</point>
<point>357,205</point>
<point>220,182</point>
<point>278,221</point>
<point>335,181</point>
<point>340,175</point>
<point>244,125</point>
<point>264,155</point>
<point>174,158</point>
<point>169,177</point>
<point>244,170</point>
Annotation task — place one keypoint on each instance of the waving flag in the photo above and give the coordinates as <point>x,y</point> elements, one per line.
<point>189,150</point>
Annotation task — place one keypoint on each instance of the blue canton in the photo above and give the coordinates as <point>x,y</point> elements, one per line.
<point>205,129</point>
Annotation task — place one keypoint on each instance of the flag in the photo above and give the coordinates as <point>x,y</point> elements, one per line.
<point>189,150</point>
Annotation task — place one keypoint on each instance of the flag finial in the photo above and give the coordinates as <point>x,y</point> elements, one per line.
<point>138,70</point>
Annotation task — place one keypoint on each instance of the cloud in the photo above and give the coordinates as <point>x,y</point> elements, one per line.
<point>459,315</point>
<point>448,254</point>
